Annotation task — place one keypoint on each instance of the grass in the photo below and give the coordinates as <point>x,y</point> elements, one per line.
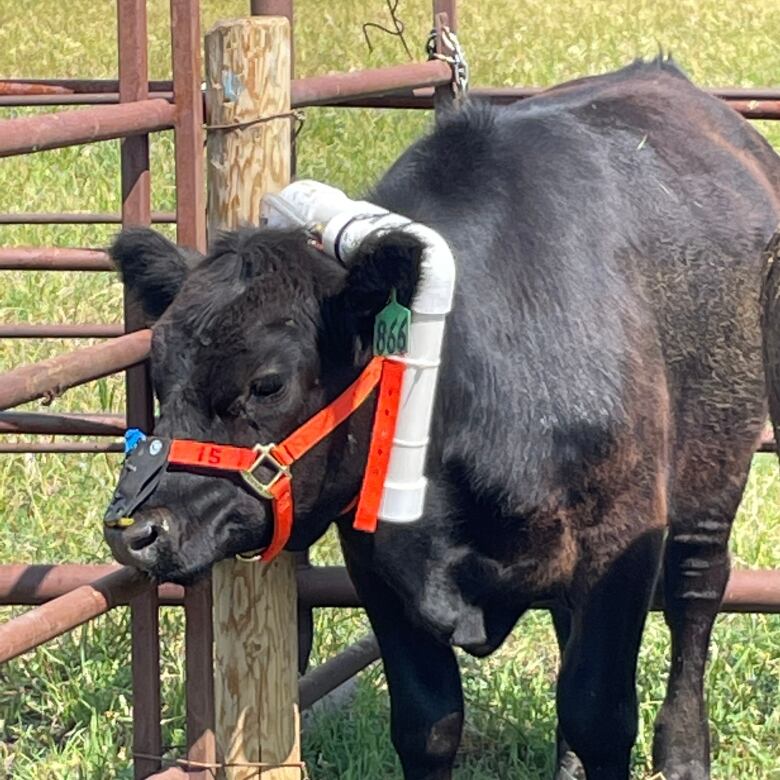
<point>64,709</point>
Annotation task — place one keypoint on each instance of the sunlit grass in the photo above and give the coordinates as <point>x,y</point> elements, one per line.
<point>65,709</point>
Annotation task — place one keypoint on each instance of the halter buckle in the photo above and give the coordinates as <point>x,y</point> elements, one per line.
<point>265,457</point>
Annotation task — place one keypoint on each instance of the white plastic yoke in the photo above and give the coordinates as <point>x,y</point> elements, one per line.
<point>343,224</point>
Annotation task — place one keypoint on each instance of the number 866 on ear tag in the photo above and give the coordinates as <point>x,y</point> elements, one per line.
<point>391,329</point>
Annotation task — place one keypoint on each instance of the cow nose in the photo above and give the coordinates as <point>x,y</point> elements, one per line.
<point>137,544</point>
<point>141,534</point>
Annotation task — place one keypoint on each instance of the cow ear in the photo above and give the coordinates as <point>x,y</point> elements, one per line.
<point>152,267</point>
<point>387,261</point>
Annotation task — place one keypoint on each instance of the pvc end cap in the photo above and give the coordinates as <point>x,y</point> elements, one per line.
<point>403,503</point>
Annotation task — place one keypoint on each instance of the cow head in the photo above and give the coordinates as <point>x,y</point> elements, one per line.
<point>248,343</point>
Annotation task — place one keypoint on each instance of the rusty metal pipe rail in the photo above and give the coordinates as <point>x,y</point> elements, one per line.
<point>76,218</point>
<point>97,86</point>
<point>326,586</point>
<point>53,259</point>
<point>62,424</point>
<point>378,88</point>
<point>756,109</point>
<point>93,330</point>
<point>728,94</point>
<point>21,86</point>
<point>31,584</point>
<point>752,590</point>
<point>767,442</point>
<point>62,87</point>
<point>97,447</point>
<point>51,377</point>
<point>20,100</point>
<point>751,103</point>
<point>24,135</point>
<point>749,590</point>
<point>62,614</point>
<point>318,90</point>
<point>311,91</point>
<point>114,425</point>
<point>326,677</point>
<point>59,448</point>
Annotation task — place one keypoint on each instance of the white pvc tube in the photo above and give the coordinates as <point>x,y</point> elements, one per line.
<point>344,224</point>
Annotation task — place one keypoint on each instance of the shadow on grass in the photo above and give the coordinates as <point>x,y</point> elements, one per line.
<point>513,738</point>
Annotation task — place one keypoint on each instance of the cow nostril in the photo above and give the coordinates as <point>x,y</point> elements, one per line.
<point>143,537</point>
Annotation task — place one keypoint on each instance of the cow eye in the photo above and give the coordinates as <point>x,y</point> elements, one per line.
<point>267,386</point>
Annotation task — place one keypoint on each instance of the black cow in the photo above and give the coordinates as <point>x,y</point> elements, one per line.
<point>600,397</point>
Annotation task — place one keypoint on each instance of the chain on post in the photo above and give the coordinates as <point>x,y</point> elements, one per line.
<point>455,58</point>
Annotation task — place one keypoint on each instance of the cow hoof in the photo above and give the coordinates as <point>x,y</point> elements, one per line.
<point>688,770</point>
<point>569,768</point>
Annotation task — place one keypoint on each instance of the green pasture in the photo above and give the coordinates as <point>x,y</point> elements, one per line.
<point>65,710</point>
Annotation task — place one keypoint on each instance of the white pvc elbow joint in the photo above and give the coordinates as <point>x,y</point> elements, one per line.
<point>343,225</point>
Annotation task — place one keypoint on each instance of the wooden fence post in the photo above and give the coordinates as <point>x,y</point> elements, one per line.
<point>255,636</point>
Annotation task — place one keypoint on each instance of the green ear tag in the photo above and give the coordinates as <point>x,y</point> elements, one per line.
<point>391,329</point>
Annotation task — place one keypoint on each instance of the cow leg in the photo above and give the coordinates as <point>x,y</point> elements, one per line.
<point>696,570</point>
<point>426,697</point>
<point>596,697</point>
<point>305,619</point>
<point>568,766</point>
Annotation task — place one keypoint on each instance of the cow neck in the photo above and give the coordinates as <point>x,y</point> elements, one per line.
<point>385,373</point>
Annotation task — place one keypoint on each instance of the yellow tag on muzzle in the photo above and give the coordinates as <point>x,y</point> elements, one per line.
<point>121,522</point>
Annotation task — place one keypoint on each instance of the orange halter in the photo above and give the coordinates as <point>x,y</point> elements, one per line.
<point>381,371</point>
